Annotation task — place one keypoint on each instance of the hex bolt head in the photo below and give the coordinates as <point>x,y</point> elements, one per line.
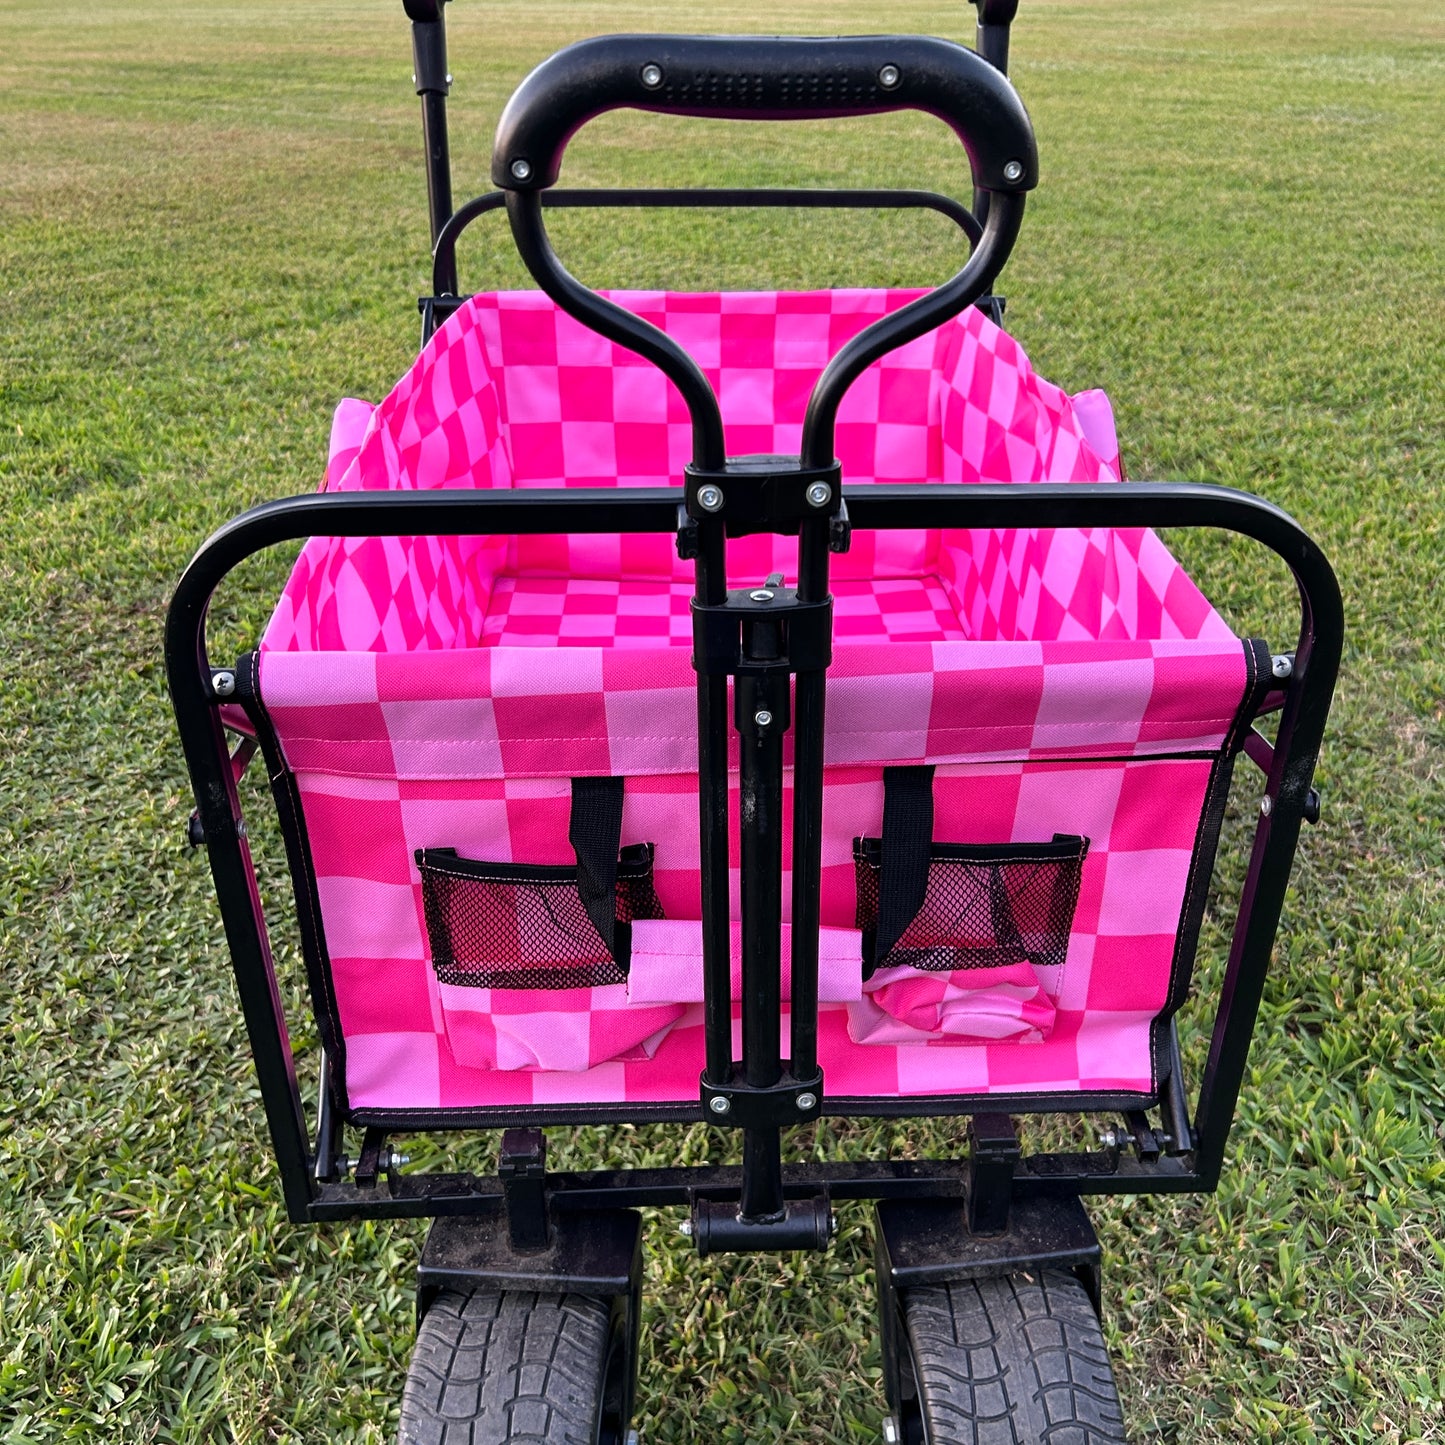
<point>890,1431</point>
<point>521,169</point>
<point>763,594</point>
<point>651,75</point>
<point>888,77</point>
<point>763,718</point>
<point>685,1229</point>
<point>710,498</point>
<point>1013,171</point>
<point>1266,806</point>
<point>1110,1138</point>
<point>719,1104</point>
<point>806,1102</point>
<point>1282,665</point>
<point>223,684</point>
<point>819,494</point>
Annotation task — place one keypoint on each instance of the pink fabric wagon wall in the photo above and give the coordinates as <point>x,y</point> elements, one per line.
<point>440,693</point>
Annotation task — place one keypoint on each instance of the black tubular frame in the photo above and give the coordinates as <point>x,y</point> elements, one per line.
<point>1307,695</point>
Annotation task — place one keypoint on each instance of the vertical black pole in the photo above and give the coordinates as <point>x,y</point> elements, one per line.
<point>761,719</point>
<point>710,590</point>
<point>808,814</point>
<point>991,42</point>
<point>429,58</point>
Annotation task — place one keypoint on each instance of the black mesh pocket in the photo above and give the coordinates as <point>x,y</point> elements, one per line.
<point>516,925</point>
<point>985,906</point>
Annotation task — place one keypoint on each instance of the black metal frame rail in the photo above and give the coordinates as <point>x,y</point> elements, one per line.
<point>1306,703</point>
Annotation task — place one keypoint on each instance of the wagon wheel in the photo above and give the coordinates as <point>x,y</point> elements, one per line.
<point>530,1369</point>
<point>1011,1361</point>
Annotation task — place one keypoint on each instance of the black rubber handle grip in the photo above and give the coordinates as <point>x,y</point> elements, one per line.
<point>765,77</point>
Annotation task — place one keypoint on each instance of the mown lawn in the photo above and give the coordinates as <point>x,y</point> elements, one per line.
<point>213,229</point>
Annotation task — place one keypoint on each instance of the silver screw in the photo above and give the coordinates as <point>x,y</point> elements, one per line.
<point>890,1431</point>
<point>521,169</point>
<point>710,498</point>
<point>224,683</point>
<point>763,718</point>
<point>1110,1138</point>
<point>392,1160</point>
<point>632,1438</point>
<point>1266,806</point>
<point>449,80</point>
<point>1282,665</point>
<point>763,594</point>
<point>888,77</point>
<point>807,1101</point>
<point>652,76</point>
<point>1013,171</point>
<point>819,494</point>
<point>685,1229</point>
<point>719,1104</point>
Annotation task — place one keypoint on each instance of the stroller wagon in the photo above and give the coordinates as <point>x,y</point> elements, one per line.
<point>574,838</point>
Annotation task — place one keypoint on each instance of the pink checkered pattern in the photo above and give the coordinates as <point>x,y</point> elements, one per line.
<point>441,693</point>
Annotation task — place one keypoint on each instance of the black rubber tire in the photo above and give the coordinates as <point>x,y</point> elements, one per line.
<point>1012,1361</point>
<point>523,1368</point>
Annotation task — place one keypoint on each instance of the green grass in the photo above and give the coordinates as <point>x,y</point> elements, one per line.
<point>212,229</point>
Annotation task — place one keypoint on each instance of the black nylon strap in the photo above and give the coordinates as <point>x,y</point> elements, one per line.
<point>595,833</point>
<point>907,837</point>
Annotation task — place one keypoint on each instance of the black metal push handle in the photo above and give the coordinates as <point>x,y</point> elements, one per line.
<point>765,77</point>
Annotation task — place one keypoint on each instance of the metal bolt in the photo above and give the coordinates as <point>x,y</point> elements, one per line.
<point>1013,171</point>
<point>890,1431</point>
<point>521,169</point>
<point>888,77</point>
<point>807,1101</point>
<point>719,1104</point>
<point>632,1438</point>
<point>1266,806</point>
<point>392,1160</point>
<point>685,1229</point>
<point>763,718</point>
<point>449,80</point>
<point>1282,665</point>
<point>819,494</point>
<point>710,498</point>
<point>1110,1138</point>
<point>223,683</point>
<point>651,76</point>
<point>763,594</point>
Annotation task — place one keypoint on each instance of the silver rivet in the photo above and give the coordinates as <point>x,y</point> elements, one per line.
<point>710,498</point>
<point>719,1104</point>
<point>223,683</point>
<point>763,718</point>
<point>652,76</point>
<point>449,80</point>
<point>819,494</point>
<point>1013,171</point>
<point>1266,806</point>
<point>890,1431</point>
<point>521,169</point>
<point>763,594</point>
<point>807,1101</point>
<point>685,1229</point>
<point>888,77</point>
<point>1282,665</point>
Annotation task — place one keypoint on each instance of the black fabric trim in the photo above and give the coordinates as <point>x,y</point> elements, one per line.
<point>292,821</point>
<point>842,1107</point>
<point>907,836</point>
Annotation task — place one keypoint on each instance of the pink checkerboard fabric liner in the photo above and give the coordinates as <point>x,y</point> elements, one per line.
<point>440,692</point>
<point>511,392</point>
<point>1139,815</point>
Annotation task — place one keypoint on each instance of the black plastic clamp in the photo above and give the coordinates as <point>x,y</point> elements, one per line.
<point>763,494</point>
<point>740,1105</point>
<point>718,1227</point>
<point>806,628</point>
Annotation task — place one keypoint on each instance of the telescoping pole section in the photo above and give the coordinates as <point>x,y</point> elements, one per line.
<point>433,82</point>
